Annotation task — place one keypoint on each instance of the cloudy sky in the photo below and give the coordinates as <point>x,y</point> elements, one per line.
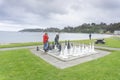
<point>19,14</point>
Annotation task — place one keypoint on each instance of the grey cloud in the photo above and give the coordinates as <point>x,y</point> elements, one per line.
<point>41,7</point>
<point>107,4</point>
<point>17,10</point>
<point>58,12</point>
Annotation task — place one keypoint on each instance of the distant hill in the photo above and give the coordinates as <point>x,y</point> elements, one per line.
<point>31,30</point>
<point>41,30</point>
<point>84,28</point>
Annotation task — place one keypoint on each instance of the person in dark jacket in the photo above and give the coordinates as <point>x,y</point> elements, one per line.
<point>90,36</point>
<point>57,40</point>
<point>45,41</point>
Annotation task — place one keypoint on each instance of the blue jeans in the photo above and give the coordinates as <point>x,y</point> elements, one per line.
<point>45,46</point>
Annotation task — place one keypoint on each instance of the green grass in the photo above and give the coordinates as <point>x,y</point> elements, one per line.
<point>11,45</point>
<point>23,65</point>
<point>112,42</point>
<point>20,44</point>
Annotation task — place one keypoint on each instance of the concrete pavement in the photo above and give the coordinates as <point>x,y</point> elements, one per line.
<point>62,64</point>
<point>108,48</point>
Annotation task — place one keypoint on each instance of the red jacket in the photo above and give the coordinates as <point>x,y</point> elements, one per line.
<point>45,38</point>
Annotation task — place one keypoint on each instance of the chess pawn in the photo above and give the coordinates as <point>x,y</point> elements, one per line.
<point>62,54</point>
<point>71,50</point>
<point>83,49</point>
<point>59,47</point>
<point>75,51</point>
<point>55,47</point>
<point>90,48</point>
<point>93,48</point>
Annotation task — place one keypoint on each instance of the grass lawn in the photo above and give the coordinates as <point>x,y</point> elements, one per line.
<point>20,44</point>
<point>23,65</point>
<point>112,42</point>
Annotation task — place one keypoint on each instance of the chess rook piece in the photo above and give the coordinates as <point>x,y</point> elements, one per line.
<point>68,45</point>
<point>37,48</point>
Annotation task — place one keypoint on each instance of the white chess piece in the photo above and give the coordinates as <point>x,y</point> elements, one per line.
<point>75,51</point>
<point>64,53</point>
<point>71,51</point>
<point>93,48</point>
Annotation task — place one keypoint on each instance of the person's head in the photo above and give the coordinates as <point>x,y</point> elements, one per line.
<point>57,34</point>
<point>45,33</point>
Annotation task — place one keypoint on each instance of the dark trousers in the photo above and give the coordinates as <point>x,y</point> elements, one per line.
<point>57,43</point>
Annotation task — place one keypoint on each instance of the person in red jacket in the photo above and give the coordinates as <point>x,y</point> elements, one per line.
<point>45,41</point>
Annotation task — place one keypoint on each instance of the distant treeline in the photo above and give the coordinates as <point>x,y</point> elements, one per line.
<point>84,28</point>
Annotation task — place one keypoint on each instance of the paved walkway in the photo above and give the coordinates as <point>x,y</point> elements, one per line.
<point>27,47</point>
<point>108,48</point>
<point>61,64</point>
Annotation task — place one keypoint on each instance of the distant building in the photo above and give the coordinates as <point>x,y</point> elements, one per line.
<point>117,32</point>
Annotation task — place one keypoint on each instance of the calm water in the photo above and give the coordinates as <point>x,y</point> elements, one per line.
<point>15,37</point>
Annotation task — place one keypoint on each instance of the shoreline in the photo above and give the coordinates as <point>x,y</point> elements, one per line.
<point>8,43</point>
<point>16,37</point>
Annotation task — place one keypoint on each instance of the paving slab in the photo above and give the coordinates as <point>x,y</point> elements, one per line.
<point>108,48</point>
<point>65,64</point>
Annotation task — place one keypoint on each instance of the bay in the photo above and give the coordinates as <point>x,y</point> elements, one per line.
<point>20,37</point>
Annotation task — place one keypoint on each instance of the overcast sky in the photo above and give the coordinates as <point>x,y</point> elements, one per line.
<point>19,14</point>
